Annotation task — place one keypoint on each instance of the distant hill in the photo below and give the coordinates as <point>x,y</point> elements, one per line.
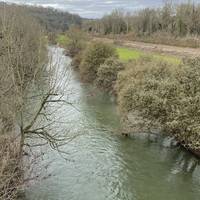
<point>53,20</point>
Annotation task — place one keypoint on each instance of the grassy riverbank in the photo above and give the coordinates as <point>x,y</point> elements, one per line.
<point>62,40</point>
<point>127,54</point>
<point>157,91</point>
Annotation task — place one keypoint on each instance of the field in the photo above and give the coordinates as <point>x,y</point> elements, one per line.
<point>126,54</point>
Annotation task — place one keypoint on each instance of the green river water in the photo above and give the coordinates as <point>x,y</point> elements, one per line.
<point>103,165</point>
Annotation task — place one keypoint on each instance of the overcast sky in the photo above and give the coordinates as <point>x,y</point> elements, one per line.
<point>93,8</point>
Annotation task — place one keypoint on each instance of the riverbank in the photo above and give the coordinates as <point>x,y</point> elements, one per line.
<point>158,94</point>
<point>23,55</point>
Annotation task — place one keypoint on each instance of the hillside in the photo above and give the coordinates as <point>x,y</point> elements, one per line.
<point>53,20</point>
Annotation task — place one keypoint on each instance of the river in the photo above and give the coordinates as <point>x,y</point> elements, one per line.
<point>103,165</point>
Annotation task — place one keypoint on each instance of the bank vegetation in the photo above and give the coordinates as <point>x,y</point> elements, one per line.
<point>22,56</point>
<point>151,94</point>
<point>28,86</point>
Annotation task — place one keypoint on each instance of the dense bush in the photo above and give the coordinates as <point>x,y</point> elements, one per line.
<point>165,96</point>
<point>107,74</point>
<point>93,57</point>
<point>76,61</point>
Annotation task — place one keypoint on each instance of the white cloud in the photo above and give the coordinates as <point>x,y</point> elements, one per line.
<point>92,8</point>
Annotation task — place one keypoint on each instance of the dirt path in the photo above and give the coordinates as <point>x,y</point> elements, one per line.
<point>164,49</point>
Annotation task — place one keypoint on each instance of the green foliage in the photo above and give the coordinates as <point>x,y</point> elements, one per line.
<point>164,95</point>
<point>166,58</point>
<point>93,57</point>
<point>126,54</point>
<point>107,74</point>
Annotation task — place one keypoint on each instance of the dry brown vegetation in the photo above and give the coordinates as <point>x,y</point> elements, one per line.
<point>167,39</point>
<point>22,54</point>
<point>176,25</point>
<point>76,41</point>
<point>32,86</point>
<point>11,174</point>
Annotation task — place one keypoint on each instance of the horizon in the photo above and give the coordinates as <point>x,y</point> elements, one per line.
<point>95,8</point>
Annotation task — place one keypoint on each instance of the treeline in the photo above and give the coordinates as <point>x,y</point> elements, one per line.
<point>175,21</point>
<point>51,19</point>
<point>54,20</point>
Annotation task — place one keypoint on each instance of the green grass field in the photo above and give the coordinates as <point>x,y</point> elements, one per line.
<point>126,54</point>
<point>62,40</point>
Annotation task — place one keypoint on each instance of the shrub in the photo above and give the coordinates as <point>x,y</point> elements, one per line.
<point>75,42</point>
<point>11,174</point>
<point>107,74</point>
<point>52,38</point>
<point>76,61</point>
<point>93,57</point>
<point>164,95</point>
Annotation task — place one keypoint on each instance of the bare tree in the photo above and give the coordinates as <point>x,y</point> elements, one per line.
<point>31,92</point>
